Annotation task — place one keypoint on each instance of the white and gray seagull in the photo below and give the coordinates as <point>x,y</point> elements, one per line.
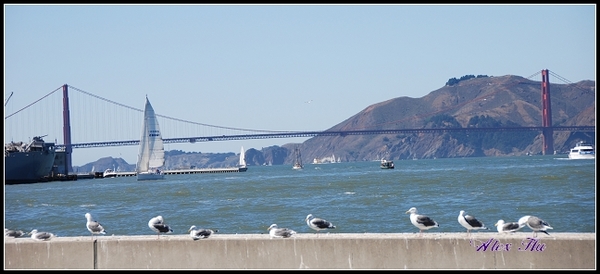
<point>157,224</point>
<point>13,233</point>
<point>318,224</point>
<point>200,233</point>
<point>470,223</point>
<point>509,227</point>
<point>422,222</point>
<point>93,227</point>
<point>280,232</point>
<point>536,224</point>
<point>40,235</point>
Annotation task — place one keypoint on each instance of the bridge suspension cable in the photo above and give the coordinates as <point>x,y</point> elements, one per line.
<point>177,119</point>
<point>27,106</point>
<point>8,99</point>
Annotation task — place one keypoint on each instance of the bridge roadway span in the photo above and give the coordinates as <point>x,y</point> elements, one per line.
<point>483,250</point>
<point>323,133</point>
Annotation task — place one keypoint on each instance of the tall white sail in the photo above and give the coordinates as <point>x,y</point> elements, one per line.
<point>298,160</point>
<point>242,158</point>
<point>152,154</point>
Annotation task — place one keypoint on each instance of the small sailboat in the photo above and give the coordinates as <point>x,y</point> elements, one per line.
<point>242,165</point>
<point>298,161</point>
<point>151,157</point>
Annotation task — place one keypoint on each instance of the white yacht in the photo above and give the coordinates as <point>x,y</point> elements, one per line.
<point>582,151</point>
<point>109,173</point>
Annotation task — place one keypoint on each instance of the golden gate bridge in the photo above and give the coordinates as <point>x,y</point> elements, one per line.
<point>92,110</point>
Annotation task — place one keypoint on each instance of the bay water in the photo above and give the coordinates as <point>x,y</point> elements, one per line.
<point>357,197</point>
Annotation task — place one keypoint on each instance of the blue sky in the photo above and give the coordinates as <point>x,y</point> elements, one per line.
<point>209,63</point>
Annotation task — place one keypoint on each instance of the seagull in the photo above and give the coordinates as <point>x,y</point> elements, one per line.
<point>537,225</point>
<point>41,236</point>
<point>318,224</point>
<point>276,232</point>
<point>157,225</point>
<point>197,234</point>
<point>422,222</point>
<point>507,227</point>
<point>13,233</point>
<point>469,222</point>
<point>93,226</point>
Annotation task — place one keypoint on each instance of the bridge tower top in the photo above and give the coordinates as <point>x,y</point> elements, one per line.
<point>547,139</point>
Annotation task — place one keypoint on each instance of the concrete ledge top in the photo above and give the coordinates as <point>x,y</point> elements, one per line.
<point>326,236</point>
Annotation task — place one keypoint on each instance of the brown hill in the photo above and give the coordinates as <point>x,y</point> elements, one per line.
<point>507,99</point>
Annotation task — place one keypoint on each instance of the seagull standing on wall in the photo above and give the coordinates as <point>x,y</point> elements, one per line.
<point>422,222</point>
<point>470,223</point>
<point>93,226</point>
<point>536,224</point>
<point>197,234</point>
<point>41,236</point>
<point>157,225</point>
<point>318,224</point>
<point>280,232</point>
<point>13,233</point>
<point>507,227</point>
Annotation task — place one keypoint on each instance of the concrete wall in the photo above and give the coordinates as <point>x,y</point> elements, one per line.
<point>483,250</point>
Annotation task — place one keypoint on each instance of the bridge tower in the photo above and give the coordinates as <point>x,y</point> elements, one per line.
<point>547,139</point>
<point>67,130</point>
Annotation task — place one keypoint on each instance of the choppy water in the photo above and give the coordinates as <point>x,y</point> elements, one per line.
<point>357,197</point>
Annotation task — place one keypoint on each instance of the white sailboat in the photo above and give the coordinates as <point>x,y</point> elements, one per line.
<point>151,157</point>
<point>298,160</point>
<point>242,159</point>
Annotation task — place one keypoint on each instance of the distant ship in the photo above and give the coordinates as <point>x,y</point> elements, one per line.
<point>28,163</point>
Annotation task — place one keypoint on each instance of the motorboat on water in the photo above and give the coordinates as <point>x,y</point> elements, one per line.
<point>582,150</point>
<point>387,164</point>
<point>109,173</point>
